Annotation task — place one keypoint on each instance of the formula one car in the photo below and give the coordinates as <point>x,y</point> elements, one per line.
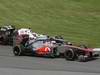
<point>52,47</point>
<point>6,34</point>
<point>18,34</point>
<point>39,46</point>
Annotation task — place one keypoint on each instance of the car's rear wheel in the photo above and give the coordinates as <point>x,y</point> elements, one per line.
<point>54,53</point>
<point>70,55</point>
<point>17,51</point>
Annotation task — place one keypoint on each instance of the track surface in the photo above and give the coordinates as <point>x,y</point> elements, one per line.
<point>9,61</point>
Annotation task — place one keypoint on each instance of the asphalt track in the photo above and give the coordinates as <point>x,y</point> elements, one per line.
<point>28,65</point>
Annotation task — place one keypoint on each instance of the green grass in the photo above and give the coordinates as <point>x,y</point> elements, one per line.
<point>76,20</point>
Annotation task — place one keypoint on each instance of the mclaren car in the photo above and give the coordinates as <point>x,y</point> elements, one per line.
<point>52,47</point>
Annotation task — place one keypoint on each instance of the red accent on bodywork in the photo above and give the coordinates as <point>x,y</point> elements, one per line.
<point>43,50</point>
<point>86,50</point>
<point>20,38</point>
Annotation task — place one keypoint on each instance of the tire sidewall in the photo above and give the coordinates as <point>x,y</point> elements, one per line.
<point>72,52</point>
<point>18,49</point>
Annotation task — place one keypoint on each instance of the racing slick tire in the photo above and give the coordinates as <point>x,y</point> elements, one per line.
<point>70,54</point>
<point>17,51</point>
<point>82,58</point>
<point>54,53</point>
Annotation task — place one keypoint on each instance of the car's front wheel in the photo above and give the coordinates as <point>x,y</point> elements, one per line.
<point>70,55</point>
<point>54,53</point>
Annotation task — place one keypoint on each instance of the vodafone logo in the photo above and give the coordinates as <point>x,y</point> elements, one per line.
<point>47,49</point>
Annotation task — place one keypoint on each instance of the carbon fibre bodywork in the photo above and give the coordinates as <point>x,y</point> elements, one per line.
<point>6,35</point>
<point>45,47</point>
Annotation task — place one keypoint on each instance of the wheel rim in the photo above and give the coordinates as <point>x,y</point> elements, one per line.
<point>16,51</point>
<point>69,54</point>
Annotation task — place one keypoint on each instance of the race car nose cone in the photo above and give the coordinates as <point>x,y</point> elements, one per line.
<point>96,49</point>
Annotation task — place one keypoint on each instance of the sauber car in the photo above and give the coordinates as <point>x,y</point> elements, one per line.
<point>6,34</point>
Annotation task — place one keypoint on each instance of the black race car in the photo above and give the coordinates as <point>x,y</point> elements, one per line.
<point>6,34</point>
